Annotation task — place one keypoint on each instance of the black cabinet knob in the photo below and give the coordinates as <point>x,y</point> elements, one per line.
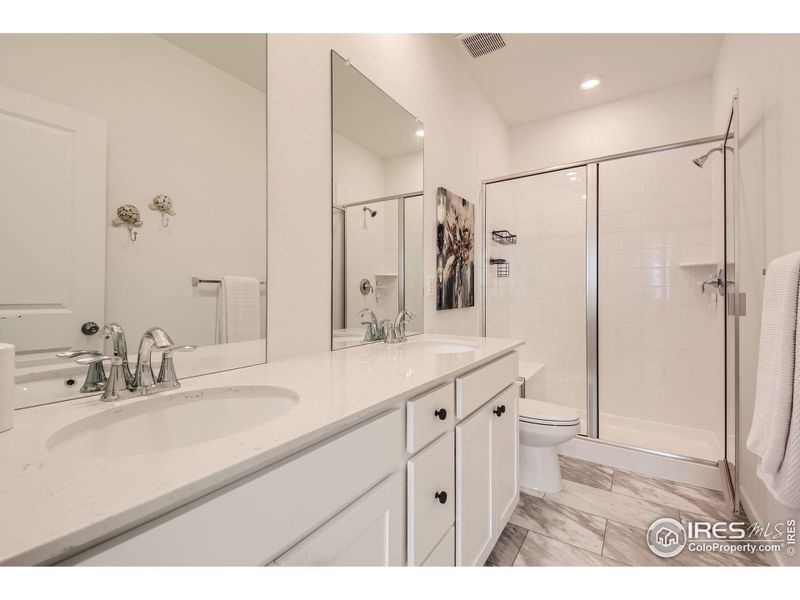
<point>441,413</point>
<point>90,328</point>
<point>441,497</point>
<point>500,410</point>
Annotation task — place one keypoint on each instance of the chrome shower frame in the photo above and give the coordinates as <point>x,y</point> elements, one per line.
<point>592,341</point>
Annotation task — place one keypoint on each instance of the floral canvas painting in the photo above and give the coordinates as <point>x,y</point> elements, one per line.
<point>455,251</point>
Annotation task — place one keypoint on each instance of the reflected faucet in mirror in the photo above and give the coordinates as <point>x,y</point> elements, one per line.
<point>375,331</point>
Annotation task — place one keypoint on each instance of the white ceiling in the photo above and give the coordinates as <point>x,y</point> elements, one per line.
<point>243,55</point>
<point>537,75</point>
<point>369,117</point>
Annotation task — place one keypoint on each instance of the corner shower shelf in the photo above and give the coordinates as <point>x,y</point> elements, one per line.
<point>698,264</point>
<point>504,237</point>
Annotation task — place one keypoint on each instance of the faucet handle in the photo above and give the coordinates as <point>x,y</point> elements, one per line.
<point>116,378</point>
<point>167,378</point>
<point>77,353</point>
<point>97,358</point>
<point>170,349</point>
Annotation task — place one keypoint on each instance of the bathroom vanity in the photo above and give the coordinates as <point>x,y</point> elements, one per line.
<point>375,455</point>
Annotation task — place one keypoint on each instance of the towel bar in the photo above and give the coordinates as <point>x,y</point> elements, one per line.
<point>197,281</point>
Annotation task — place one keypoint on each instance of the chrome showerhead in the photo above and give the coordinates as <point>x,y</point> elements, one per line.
<point>701,160</point>
<point>371,212</point>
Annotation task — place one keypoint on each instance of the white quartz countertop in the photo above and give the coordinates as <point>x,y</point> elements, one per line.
<point>52,506</point>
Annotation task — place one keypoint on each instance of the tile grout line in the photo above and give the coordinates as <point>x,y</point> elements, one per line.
<point>555,539</point>
<point>527,531</point>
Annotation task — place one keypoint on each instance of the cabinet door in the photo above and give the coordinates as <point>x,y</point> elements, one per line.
<point>367,533</point>
<point>430,497</point>
<point>474,487</point>
<point>505,455</point>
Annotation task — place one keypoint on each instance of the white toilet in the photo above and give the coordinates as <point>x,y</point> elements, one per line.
<point>543,427</point>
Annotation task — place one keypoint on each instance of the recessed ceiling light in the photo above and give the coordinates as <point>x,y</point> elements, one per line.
<point>591,83</point>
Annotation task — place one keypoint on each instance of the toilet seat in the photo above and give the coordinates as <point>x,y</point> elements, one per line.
<point>538,412</point>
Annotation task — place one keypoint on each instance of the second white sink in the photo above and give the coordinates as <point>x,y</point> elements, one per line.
<point>173,420</point>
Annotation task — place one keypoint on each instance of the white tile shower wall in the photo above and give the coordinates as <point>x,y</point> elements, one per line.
<point>466,141</point>
<point>658,334</point>
<point>371,251</point>
<point>543,301</point>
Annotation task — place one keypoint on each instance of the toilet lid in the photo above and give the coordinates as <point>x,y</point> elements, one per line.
<point>546,413</point>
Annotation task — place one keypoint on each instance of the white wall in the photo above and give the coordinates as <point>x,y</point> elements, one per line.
<point>465,142</point>
<point>672,114</point>
<point>176,126</point>
<point>765,70</point>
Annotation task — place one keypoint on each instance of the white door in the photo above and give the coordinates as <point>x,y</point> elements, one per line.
<point>505,455</point>
<point>52,225</point>
<point>474,487</point>
<point>367,533</point>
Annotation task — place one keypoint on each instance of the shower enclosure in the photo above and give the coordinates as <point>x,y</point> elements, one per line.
<point>618,273</point>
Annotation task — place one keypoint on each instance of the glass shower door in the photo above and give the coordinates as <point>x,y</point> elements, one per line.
<point>535,279</point>
<point>661,330</point>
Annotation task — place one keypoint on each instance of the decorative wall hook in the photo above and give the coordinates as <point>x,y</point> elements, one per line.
<point>128,215</point>
<point>163,204</point>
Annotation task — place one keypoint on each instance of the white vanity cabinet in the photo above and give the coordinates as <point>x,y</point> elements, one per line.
<point>368,533</point>
<point>486,469</point>
<point>433,489</point>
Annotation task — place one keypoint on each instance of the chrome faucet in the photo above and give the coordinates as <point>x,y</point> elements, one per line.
<point>396,332</point>
<point>153,337</point>
<point>142,382</point>
<point>403,317</point>
<point>375,331</point>
<point>95,380</point>
<point>116,334</point>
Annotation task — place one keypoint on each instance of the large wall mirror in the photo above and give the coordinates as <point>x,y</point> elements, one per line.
<point>377,209</point>
<point>133,191</point>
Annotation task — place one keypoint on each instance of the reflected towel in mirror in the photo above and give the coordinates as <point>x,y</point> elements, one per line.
<point>238,314</point>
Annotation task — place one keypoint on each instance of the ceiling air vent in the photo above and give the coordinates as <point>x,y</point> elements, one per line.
<point>479,44</point>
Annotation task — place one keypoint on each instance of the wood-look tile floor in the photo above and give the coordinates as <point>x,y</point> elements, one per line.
<point>600,519</point>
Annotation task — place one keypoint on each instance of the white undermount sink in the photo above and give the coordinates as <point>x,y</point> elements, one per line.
<point>172,420</point>
<point>443,346</point>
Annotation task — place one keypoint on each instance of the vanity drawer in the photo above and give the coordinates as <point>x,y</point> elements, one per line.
<point>430,472</point>
<point>424,414</point>
<point>251,522</point>
<point>476,388</point>
<point>444,554</point>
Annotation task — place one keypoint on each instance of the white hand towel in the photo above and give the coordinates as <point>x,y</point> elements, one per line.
<point>238,310</point>
<point>775,430</point>
<point>6,386</point>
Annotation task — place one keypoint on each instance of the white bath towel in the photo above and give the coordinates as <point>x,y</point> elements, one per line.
<point>238,309</point>
<point>775,430</point>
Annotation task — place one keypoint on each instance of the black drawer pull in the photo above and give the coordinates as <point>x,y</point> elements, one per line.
<point>441,413</point>
<point>500,410</point>
<point>441,497</point>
